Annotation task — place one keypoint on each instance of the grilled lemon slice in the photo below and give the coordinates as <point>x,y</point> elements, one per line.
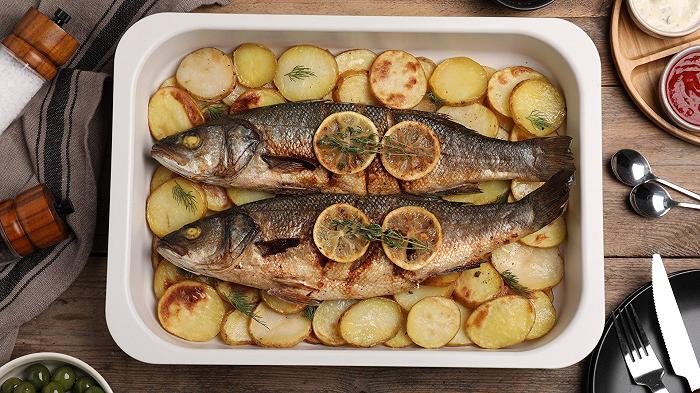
<point>337,233</point>
<point>411,236</point>
<point>346,142</point>
<point>410,150</point>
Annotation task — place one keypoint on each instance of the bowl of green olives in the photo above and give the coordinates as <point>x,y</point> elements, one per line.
<point>49,372</point>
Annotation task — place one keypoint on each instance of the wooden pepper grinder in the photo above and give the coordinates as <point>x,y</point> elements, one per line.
<point>29,57</point>
<point>31,221</point>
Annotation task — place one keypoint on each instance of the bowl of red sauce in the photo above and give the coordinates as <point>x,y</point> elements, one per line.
<point>679,89</point>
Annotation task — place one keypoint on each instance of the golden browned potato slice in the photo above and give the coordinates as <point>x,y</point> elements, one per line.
<point>237,293</point>
<point>492,191</point>
<point>502,83</point>
<point>280,305</point>
<point>353,86</point>
<point>478,285</point>
<point>459,81</point>
<point>551,235</point>
<point>276,330</point>
<point>410,150</point>
<point>255,99</point>
<point>441,280</point>
<point>397,79</point>
<point>401,339</point>
<point>502,322</point>
<point>241,196</point>
<point>537,106</point>
<point>475,117</point>
<point>170,82</point>
<point>521,188</point>
<point>518,134</point>
<point>533,268</point>
<point>217,199</point>
<point>426,105</point>
<point>312,339</point>
<point>170,111</point>
<point>407,299</point>
<point>166,275</point>
<point>427,65</point>
<point>411,236</point>
<point>433,322</point>
<point>234,329</point>
<point>341,243</point>
<point>327,319</point>
<point>355,60</point>
<point>173,205</point>
<point>255,65</point>
<point>545,315</point>
<point>340,132</point>
<point>160,176</point>
<point>371,322</point>
<point>306,72</point>
<point>191,310</point>
<point>207,74</point>
<point>489,73</point>
<point>461,338</point>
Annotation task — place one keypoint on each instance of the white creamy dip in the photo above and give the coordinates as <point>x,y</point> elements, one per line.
<point>670,16</point>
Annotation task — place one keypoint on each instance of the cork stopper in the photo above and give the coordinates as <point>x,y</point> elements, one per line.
<point>41,42</point>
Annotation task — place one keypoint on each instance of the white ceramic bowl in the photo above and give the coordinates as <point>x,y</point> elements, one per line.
<point>653,31</point>
<point>665,103</point>
<point>52,360</point>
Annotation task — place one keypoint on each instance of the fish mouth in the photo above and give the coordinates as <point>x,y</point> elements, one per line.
<point>167,158</point>
<point>171,251</point>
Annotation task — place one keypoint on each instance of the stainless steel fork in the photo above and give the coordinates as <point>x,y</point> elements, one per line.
<point>641,360</point>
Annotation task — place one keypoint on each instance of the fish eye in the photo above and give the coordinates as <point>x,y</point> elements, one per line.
<point>192,233</point>
<point>192,141</point>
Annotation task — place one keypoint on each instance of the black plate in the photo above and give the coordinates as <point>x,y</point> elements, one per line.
<point>524,5</point>
<point>607,371</point>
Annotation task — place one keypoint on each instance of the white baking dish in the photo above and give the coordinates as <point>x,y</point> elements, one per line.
<point>150,51</point>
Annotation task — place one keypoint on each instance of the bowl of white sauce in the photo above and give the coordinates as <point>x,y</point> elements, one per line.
<point>666,18</point>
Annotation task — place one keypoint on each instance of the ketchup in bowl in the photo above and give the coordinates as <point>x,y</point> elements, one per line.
<point>681,89</point>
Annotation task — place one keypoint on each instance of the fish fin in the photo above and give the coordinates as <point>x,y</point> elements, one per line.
<point>463,267</point>
<point>293,297</point>
<point>549,201</point>
<point>288,164</point>
<point>272,247</point>
<point>468,188</point>
<point>551,155</point>
<point>442,118</point>
<point>294,283</point>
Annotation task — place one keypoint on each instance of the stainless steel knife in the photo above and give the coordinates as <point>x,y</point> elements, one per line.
<point>678,345</point>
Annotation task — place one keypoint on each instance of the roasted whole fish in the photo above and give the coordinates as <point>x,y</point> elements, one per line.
<point>268,244</point>
<point>270,148</point>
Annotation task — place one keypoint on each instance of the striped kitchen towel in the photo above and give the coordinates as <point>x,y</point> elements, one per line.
<point>61,141</point>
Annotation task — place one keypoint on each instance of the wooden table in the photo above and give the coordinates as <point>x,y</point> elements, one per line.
<point>75,324</point>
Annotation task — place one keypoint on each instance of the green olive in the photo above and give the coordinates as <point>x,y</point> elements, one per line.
<point>95,389</point>
<point>65,376</point>
<point>9,385</point>
<point>38,375</point>
<point>24,387</point>
<point>83,384</point>
<point>53,387</point>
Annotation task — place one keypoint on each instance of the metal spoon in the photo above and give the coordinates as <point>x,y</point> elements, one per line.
<point>653,201</point>
<point>631,168</point>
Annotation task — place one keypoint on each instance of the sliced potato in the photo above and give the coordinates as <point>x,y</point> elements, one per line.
<point>502,322</point>
<point>327,319</point>
<point>401,339</point>
<point>167,274</point>
<point>521,188</point>
<point>535,268</point>
<point>397,79</point>
<point>489,72</point>
<point>459,81</point>
<point>217,199</point>
<point>255,64</point>
<point>241,196</point>
<point>545,315</point>
<point>518,134</point>
<point>207,74</point>
<point>461,338</point>
<point>277,330</point>
<point>255,99</point>
<point>191,310</point>
<point>551,235</point>
<point>492,191</point>
<point>502,83</point>
<point>426,105</point>
<point>173,205</point>
<point>475,117</point>
<point>234,94</point>
<point>306,72</point>
<point>417,236</point>
<point>427,65</point>
<point>371,322</point>
<point>280,305</point>
<point>234,329</point>
<point>170,111</point>
<point>407,299</point>
<point>170,82</point>
<point>312,339</point>
<point>478,285</point>
<point>353,86</point>
<point>433,322</point>
<point>160,176</point>
<point>355,60</point>
<point>537,106</point>
<point>441,280</point>
<point>230,292</point>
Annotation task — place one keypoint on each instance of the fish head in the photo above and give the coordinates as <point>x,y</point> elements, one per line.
<point>211,152</point>
<point>211,244</point>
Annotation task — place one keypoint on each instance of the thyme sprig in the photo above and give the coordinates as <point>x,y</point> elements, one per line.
<point>355,141</point>
<point>184,198</point>
<point>512,281</point>
<point>299,72</point>
<point>243,304</point>
<point>539,119</point>
<point>373,232</point>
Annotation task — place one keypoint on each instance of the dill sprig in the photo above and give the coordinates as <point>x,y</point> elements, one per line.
<point>299,72</point>
<point>373,232</point>
<point>512,281</point>
<point>185,198</point>
<point>538,119</point>
<point>215,110</point>
<point>309,312</point>
<point>243,304</point>
<point>354,141</point>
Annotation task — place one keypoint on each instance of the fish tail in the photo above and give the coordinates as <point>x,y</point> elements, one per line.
<point>549,201</point>
<point>551,155</point>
